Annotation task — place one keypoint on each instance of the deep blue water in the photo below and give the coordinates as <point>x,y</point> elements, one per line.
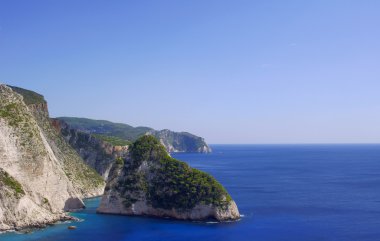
<point>285,192</point>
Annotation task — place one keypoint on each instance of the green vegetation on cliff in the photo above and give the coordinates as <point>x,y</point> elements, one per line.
<point>106,128</point>
<point>11,113</point>
<point>113,140</point>
<point>180,186</point>
<point>10,182</point>
<point>30,97</point>
<point>147,148</point>
<point>172,183</point>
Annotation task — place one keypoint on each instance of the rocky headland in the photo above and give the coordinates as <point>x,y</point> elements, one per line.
<point>149,182</point>
<point>119,132</point>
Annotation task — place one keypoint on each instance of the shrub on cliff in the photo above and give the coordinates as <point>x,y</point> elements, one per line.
<point>10,182</point>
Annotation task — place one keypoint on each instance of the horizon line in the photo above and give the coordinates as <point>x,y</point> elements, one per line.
<point>311,143</point>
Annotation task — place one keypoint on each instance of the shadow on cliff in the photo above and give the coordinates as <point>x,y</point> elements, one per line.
<point>73,204</point>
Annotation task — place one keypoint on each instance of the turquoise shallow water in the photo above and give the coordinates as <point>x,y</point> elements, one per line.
<point>285,192</point>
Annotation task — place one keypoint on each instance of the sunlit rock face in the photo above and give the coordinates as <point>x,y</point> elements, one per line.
<point>41,176</point>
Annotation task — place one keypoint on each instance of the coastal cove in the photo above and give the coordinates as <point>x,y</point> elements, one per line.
<point>284,192</point>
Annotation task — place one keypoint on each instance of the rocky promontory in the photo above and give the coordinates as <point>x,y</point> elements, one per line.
<point>149,182</point>
<point>173,141</point>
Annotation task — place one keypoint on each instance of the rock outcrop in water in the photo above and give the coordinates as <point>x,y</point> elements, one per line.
<point>41,176</point>
<point>150,182</point>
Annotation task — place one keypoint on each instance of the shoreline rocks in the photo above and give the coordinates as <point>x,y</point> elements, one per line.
<point>27,228</point>
<point>198,213</point>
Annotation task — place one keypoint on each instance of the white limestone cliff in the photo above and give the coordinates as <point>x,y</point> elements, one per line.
<point>34,188</point>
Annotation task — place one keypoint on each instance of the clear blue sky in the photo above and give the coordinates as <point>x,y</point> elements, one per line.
<point>231,71</point>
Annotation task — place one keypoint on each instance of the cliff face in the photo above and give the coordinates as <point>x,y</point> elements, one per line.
<point>181,141</point>
<point>149,182</point>
<point>95,152</point>
<point>41,176</point>
<point>173,141</point>
<point>85,180</point>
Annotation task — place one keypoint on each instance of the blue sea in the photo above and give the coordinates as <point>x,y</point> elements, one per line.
<point>284,192</point>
